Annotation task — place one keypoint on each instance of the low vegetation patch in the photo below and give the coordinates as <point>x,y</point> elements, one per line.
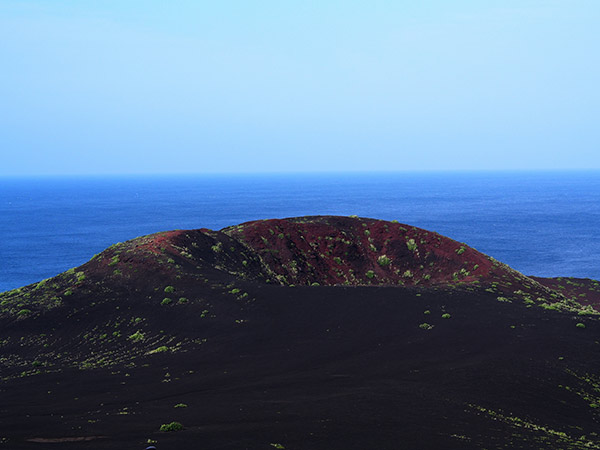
<point>137,336</point>
<point>384,261</point>
<point>161,349</point>
<point>412,245</point>
<point>173,426</point>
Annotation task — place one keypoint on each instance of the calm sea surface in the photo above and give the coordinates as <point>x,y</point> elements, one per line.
<point>545,224</point>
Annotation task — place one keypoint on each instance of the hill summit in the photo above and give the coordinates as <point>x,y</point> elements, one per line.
<point>309,251</point>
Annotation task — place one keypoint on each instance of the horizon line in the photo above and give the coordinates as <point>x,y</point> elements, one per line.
<point>297,173</point>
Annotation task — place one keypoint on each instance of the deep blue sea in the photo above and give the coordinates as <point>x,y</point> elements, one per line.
<point>542,223</point>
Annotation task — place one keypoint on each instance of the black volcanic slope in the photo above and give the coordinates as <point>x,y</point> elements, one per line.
<point>305,333</point>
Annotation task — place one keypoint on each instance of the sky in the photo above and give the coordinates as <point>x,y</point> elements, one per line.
<point>145,87</point>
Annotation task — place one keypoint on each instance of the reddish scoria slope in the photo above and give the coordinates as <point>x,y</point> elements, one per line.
<point>583,290</point>
<point>355,251</point>
<point>325,250</point>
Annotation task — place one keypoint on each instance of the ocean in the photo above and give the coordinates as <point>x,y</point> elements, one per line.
<point>540,223</point>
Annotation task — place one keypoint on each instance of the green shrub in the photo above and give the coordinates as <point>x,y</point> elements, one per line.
<point>182,300</point>
<point>137,336</point>
<point>580,325</point>
<point>426,326</point>
<point>460,251</point>
<point>446,316</point>
<point>24,312</point>
<point>169,289</point>
<point>370,274</point>
<point>412,245</point>
<point>383,261</point>
<point>427,312</point>
<point>114,260</point>
<point>166,301</point>
<point>550,306</point>
<point>180,405</point>
<point>587,311</point>
<point>173,426</point>
<point>161,349</point>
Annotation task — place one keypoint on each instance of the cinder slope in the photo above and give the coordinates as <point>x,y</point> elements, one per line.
<point>410,340</point>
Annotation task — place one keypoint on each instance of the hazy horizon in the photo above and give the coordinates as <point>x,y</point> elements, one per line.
<point>490,172</point>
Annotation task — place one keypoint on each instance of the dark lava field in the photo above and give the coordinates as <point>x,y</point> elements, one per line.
<point>311,333</point>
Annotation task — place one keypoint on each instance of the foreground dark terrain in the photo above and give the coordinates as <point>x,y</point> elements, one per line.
<point>308,333</point>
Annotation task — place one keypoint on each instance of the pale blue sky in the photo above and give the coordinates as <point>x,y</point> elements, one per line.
<point>110,87</point>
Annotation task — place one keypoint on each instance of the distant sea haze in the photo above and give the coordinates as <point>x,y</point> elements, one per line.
<point>540,223</point>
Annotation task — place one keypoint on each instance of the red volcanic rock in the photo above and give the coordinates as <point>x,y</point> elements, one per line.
<point>319,250</point>
<point>324,250</point>
<point>582,290</point>
<point>354,251</point>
